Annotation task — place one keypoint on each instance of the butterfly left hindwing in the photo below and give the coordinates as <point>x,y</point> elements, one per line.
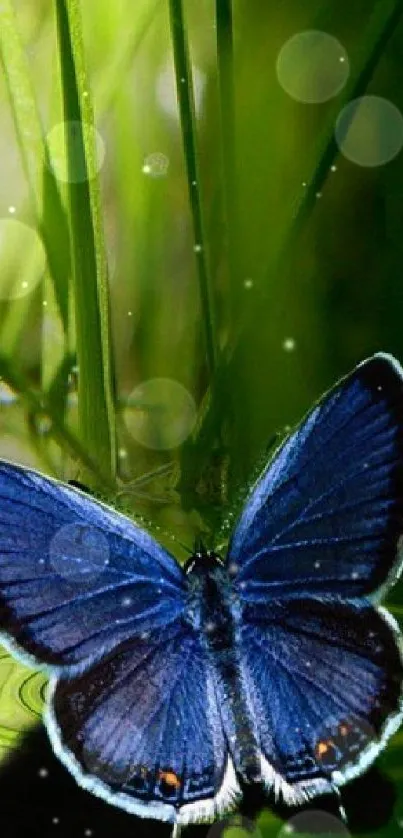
<point>141,729</point>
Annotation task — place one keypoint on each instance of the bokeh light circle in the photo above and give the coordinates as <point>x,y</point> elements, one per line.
<point>160,413</point>
<point>56,140</point>
<point>235,826</point>
<point>22,259</point>
<point>369,131</point>
<point>79,553</point>
<point>314,822</point>
<point>312,66</point>
<point>156,164</point>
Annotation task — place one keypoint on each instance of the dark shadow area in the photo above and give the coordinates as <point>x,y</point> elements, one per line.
<point>368,801</point>
<point>40,798</point>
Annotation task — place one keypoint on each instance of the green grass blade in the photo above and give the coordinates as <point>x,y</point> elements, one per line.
<point>226,76</point>
<point>184,84</point>
<point>22,100</point>
<point>33,150</point>
<point>89,266</point>
<point>38,404</point>
<point>130,42</point>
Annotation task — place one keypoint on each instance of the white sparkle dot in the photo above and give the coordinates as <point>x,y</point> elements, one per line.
<point>88,833</point>
<point>354,575</point>
<point>126,601</point>
<point>45,303</point>
<point>342,59</point>
<point>248,283</point>
<point>43,772</point>
<point>197,248</point>
<point>304,183</point>
<point>130,313</point>
<point>289,344</point>
<point>317,565</point>
<point>333,168</point>
<point>55,820</point>
<point>11,210</point>
<point>122,453</point>
<point>318,194</point>
<point>24,284</point>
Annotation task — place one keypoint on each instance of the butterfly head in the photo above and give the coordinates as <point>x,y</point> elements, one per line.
<point>202,560</point>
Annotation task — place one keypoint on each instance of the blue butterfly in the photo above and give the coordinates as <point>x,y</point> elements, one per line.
<point>170,687</point>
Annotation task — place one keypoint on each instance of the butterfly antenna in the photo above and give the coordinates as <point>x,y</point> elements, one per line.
<point>199,547</point>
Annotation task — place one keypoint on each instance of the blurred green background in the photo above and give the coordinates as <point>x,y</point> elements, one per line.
<point>298,252</point>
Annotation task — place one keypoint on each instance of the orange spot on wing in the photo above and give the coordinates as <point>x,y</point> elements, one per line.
<point>170,778</point>
<point>322,749</point>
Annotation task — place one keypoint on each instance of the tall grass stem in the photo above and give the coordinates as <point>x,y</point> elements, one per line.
<point>89,265</point>
<point>184,85</point>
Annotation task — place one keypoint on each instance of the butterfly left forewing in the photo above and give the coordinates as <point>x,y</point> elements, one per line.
<point>76,577</point>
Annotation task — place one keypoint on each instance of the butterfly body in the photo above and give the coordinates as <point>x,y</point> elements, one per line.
<point>275,665</point>
<point>216,612</point>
